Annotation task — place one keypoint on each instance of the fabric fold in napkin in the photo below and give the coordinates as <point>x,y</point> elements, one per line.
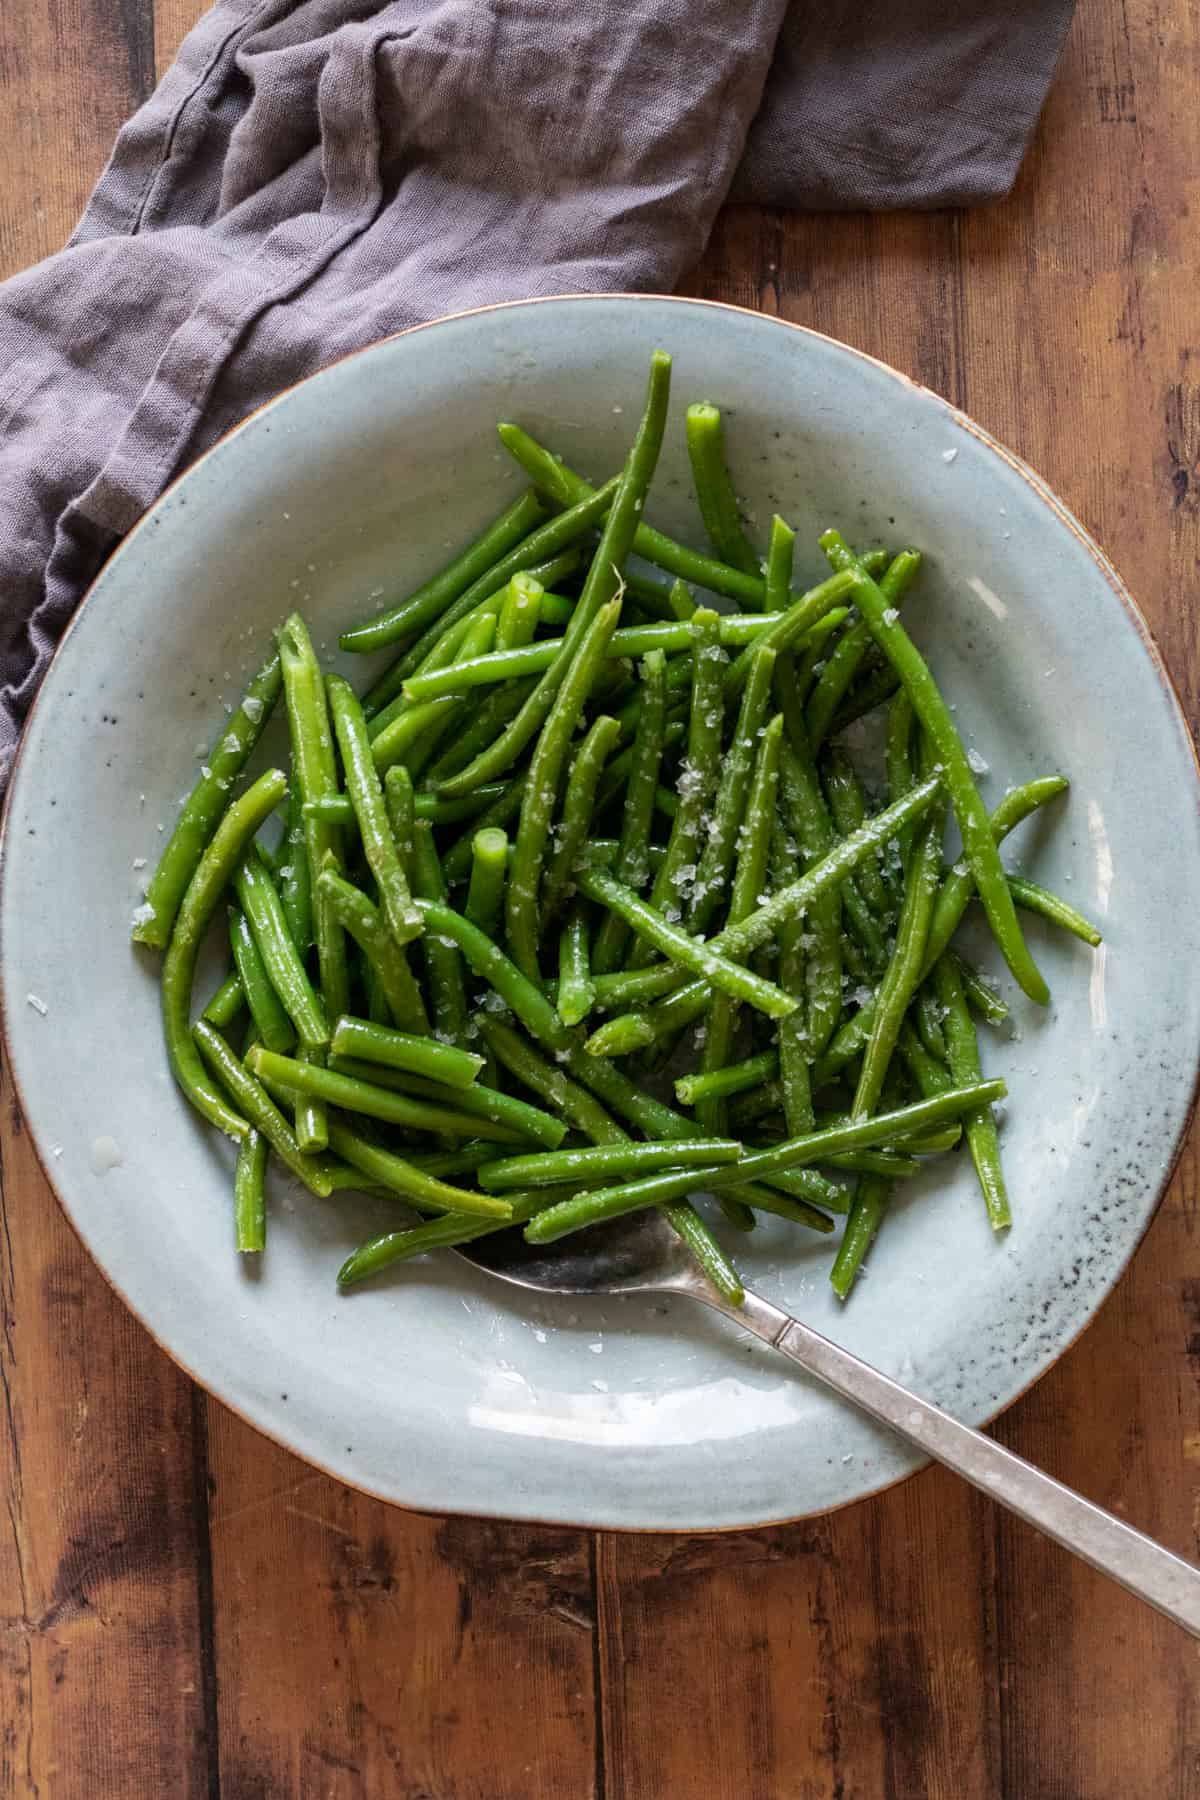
<point>314,174</point>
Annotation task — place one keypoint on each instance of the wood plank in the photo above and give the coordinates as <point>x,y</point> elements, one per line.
<point>103,1569</point>
<point>364,1651</point>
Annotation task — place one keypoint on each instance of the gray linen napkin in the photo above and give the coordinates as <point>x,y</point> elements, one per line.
<point>314,174</point>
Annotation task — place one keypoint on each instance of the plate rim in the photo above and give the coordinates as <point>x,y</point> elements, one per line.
<point>1042,492</point>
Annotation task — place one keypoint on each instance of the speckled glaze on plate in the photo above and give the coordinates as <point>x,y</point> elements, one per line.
<point>434,1388</point>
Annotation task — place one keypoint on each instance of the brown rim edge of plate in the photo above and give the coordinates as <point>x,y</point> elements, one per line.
<point>1065,518</point>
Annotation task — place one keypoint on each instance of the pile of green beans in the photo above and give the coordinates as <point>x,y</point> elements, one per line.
<point>593,900</point>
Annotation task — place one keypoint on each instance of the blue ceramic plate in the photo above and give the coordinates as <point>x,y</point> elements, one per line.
<point>433,1388</point>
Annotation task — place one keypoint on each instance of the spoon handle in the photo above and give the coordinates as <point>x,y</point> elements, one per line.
<point>1148,1570</point>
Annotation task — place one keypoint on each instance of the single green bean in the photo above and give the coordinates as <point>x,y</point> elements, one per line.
<point>903,974</point>
<point>579,804</point>
<point>295,876</point>
<point>484,905</point>
<point>979,1122</point>
<point>381,1252</point>
<point>443,963</point>
<point>520,612</point>
<point>263,1115</point>
<point>979,846</point>
<point>737,769</point>
<point>928,1014</point>
<point>204,808</point>
<point>645,763</point>
<point>366,796</point>
<point>601,1162</point>
<point>846,658</point>
<point>687,952</point>
<point>376,1101</point>
<point>981,996</point>
<point>261,904</point>
<point>781,554</point>
<point>795,1082</point>
<point>804,811</point>
<point>734,1078</point>
<point>402,1050</point>
<point>226,1003</point>
<point>417,1186</point>
<point>629,1031</point>
<point>601,585</point>
<point>576,995</point>
<point>870,1202</point>
<point>521,910</point>
<point>250,1193</point>
<point>271,1022</point>
<point>490,963</point>
<point>714,489</point>
<point>366,925</point>
<point>209,880</point>
<point>675,880</point>
<point>567,488</point>
<point>1053,907</point>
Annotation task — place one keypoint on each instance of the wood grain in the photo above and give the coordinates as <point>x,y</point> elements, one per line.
<point>187,1609</point>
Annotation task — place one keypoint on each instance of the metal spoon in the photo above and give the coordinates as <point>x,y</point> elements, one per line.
<point>641,1254</point>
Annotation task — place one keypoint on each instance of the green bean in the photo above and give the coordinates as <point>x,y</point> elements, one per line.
<point>462,1161</point>
<point>1053,907</point>
<point>513,543</point>
<point>443,963</point>
<point>876,686</point>
<point>371,1098</point>
<point>314,770</point>
<point>794,1052</point>
<point>809,823</point>
<point>574,1102</point>
<point>366,925</point>
<point>689,953</point>
<point>400,1176</point>
<point>981,997</point>
<point>846,658</point>
<point>781,552</point>
<point>402,1050</point>
<point>521,910</point>
<point>959,884</point>
<point>612,1202</point>
<point>204,808</point>
<point>249,1193</point>
<point>928,1015</point>
<point>870,1202</point>
<point>516,1117</point>
<point>579,805</point>
<point>295,876</point>
<point>733,790</point>
<point>484,905</point>
<point>564,486</point>
<point>697,782</point>
<point>226,1003</point>
<point>601,1162</point>
<point>903,974</point>
<point>633,864</point>
<point>263,1115</point>
<point>396,740</point>
<point>490,963</point>
<point>271,1022</point>
<point>520,612</point>
<point>209,880</point>
<point>261,904</point>
<point>366,796</point>
<point>979,846</point>
<point>734,1078</point>
<point>390,1247</point>
<point>630,1031</point>
<point>979,1122</point>
<point>929,1072</point>
<point>503,807</point>
<point>601,584</point>
<point>848,810</point>
<point>576,995</point>
<point>791,627</point>
<point>800,1212</point>
<point>332,809</point>
<point>714,489</point>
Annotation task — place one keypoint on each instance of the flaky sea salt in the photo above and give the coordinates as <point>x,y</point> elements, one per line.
<point>37,1003</point>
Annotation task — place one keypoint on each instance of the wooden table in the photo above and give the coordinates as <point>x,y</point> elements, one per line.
<point>186,1610</point>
